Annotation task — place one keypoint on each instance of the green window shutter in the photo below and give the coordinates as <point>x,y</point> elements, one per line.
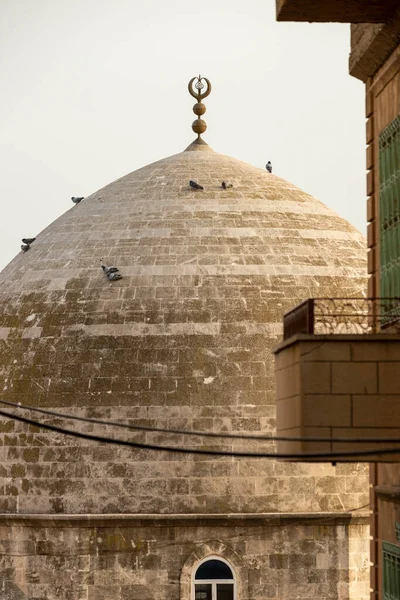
<point>389,214</point>
<point>391,571</point>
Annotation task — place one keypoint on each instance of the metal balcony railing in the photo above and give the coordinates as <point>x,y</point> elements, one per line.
<point>321,316</point>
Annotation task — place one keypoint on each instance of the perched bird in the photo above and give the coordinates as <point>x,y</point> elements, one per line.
<point>28,241</point>
<point>268,166</point>
<point>109,270</point>
<point>25,247</point>
<point>195,186</point>
<point>76,199</point>
<point>226,185</point>
<point>114,276</point>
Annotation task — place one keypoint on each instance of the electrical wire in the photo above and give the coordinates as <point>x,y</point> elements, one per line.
<point>211,434</point>
<point>332,456</point>
<point>358,508</point>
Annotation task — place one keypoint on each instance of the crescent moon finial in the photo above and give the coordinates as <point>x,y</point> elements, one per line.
<point>196,86</point>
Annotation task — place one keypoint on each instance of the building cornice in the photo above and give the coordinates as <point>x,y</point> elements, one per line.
<point>181,520</point>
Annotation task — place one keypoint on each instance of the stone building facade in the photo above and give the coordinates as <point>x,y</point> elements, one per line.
<point>183,341</point>
<point>375,60</point>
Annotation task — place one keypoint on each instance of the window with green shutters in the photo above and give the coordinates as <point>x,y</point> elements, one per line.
<point>391,571</point>
<point>389,215</point>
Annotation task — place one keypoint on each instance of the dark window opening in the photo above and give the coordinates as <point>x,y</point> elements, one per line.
<point>214,569</point>
<point>214,581</point>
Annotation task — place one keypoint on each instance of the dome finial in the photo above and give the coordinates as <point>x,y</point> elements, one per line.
<point>195,88</point>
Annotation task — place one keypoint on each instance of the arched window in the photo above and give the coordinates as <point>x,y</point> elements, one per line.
<point>214,580</point>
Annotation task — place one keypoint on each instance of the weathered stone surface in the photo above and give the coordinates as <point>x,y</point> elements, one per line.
<point>271,557</point>
<point>182,341</point>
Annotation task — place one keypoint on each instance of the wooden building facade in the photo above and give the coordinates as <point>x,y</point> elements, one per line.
<point>375,59</point>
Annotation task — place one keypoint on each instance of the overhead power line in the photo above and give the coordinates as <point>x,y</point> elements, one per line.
<point>334,456</point>
<point>194,433</point>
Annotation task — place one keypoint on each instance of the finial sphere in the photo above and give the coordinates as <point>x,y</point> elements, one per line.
<point>199,126</point>
<point>199,109</point>
<point>195,87</point>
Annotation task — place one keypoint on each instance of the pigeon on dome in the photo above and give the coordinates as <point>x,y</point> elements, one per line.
<point>195,186</point>
<point>112,273</point>
<point>77,199</point>
<point>26,244</point>
<point>268,166</point>
<point>108,270</point>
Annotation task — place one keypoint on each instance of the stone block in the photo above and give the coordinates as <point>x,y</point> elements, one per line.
<point>377,411</point>
<point>369,130</point>
<point>371,259</point>
<point>324,410</point>
<point>354,378</point>
<point>316,377</point>
<point>371,212</point>
<point>371,238</point>
<point>370,156</point>
<point>327,352</point>
<point>289,413</point>
<point>389,377</point>
<point>370,182</point>
<point>288,382</point>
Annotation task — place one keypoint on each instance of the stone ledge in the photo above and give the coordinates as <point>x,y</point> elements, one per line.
<point>336,11</point>
<point>372,46</point>
<point>337,337</point>
<point>137,520</point>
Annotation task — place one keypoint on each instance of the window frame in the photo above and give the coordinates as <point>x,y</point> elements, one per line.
<point>213,582</point>
<point>390,561</point>
<point>389,220</point>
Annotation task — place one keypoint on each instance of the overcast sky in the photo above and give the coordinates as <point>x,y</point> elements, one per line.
<point>94,89</point>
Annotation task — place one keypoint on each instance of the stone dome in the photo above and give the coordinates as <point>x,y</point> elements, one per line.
<point>182,341</point>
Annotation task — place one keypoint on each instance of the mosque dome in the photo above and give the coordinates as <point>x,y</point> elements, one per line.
<point>182,341</point>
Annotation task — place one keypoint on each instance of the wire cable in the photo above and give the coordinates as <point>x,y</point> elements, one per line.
<point>178,449</point>
<point>358,508</point>
<point>211,434</point>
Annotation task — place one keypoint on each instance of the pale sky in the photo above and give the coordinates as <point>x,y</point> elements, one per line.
<point>92,90</point>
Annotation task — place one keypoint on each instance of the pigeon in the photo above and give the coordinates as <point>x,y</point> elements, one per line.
<point>109,270</point>
<point>28,241</point>
<point>226,185</point>
<point>76,199</point>
<point>25,247</point>
<point>195,185</point>
<point>114,276</point>
<point>268,166</point>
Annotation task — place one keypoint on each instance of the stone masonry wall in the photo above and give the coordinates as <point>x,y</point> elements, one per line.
<point>182,341</point>
<point>339,386</point>
<point>273,559</point>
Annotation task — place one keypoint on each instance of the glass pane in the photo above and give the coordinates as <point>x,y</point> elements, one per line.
<point>224,591</point>
<point>202,591</point>
<point>214,569</point>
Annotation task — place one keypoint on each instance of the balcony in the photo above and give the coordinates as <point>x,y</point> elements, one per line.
<point>340,11</point>
<point>338,381</point>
